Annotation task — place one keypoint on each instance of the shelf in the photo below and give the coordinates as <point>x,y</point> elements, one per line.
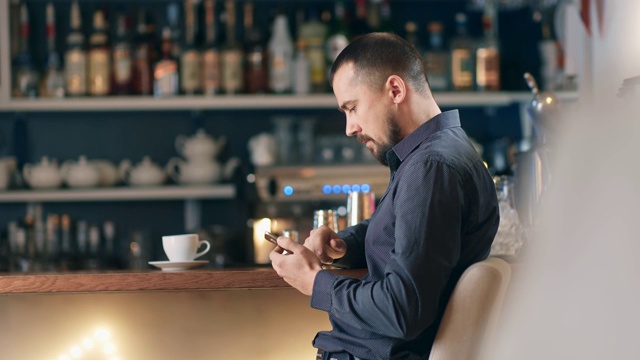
<point>247,102</point>
<point>226,191</point>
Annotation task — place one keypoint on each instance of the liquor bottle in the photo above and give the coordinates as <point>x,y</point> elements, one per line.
<point>75,58</point>
<point>360,26</point>
<point>232,74</point>
<point>30,243</point>
<point>301,70</point>
<point>144,56</point>
<point>109,252</point>
<point>53,81</point>
<point>122,58</point>
<point>26,77</point>
<point>411,30</point>
<point>53,241</point>
<point>373,15</point>
<point>69,259</point>
<point>165,71</point>
<point>338,38</point>
<point>82,239</point>
<point>436,59</point>
<point>93,258</point>
<point>487,54</point>
<point>99,56</point>
<point>211,52</point>
<point>280,56</point>
<point>255,75</point>
<point>190,64</point>
<point>462,74</point>
<point>173,20</point>
<point>385,17</point>
<point>14,28</point>
<point>313,35</point>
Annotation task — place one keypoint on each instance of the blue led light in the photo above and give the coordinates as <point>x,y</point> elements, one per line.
<point>346,188</point>
<point>365,188</point>
<point>326,189</point>
<point>355,188</point>
<point>337,189</point>
<point>288,190</point>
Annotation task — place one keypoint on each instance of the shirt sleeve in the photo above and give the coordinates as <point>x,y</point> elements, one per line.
<point>354,236</point>
<point>428,203</point>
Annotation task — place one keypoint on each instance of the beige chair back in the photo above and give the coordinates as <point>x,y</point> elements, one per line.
<point>472,313</point>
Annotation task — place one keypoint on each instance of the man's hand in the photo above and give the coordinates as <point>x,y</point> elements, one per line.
<point>326,244</point>
<point>298,267</point>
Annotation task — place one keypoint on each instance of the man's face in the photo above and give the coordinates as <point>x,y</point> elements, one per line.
<point>369,113</point>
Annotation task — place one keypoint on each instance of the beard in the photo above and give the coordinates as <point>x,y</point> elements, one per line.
<point>393,136</point>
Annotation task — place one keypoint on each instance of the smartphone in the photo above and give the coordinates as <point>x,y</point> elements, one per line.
<point>271,237</point>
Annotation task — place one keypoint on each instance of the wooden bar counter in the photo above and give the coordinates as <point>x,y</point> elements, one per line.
<point>235,313</point>
<point>151,280</point>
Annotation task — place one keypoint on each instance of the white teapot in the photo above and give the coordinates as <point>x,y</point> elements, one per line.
<point>44,175</point>
<point>145,173</point>
<point>263,149</point>
<point>197,172</point>
<point>81,173</point>
<point>109,173</point>
<point>199,146</point>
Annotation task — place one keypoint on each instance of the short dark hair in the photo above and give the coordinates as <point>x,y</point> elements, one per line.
<point>376,56</point>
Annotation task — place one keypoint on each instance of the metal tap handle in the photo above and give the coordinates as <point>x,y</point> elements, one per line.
<point>531,82</point>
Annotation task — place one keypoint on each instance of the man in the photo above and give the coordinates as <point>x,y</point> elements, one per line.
<point>438,216</point>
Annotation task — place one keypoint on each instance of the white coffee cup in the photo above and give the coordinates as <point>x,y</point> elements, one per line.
<point>183,247</point>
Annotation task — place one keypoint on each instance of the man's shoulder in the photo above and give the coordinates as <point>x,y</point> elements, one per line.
<point>450,147</point>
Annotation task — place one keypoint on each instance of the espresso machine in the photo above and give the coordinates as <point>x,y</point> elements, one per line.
<point>289,196</point>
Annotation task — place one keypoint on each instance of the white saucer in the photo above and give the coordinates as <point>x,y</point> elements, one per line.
<point>177,265</point>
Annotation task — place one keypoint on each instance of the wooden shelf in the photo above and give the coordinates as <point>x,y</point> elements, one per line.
<point>246,102</point>
<point>151,280</point>
<point>174,192</point>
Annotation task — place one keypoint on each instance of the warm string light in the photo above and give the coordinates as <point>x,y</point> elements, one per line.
<point>101,340</point>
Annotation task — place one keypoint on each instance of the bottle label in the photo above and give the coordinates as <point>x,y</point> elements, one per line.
<point>232,71</point>
<point>211,72</point>
<point>166,78</point>
<point>76,72</point>
<point>99,72</point>
<point>190,71</point>
<point>122,65</point>
<point>437,64</point>
<point>318,64</point>
<point>488,69</point>
<point>280,72</point>
<point>461,68</point>
<point>302,83</point>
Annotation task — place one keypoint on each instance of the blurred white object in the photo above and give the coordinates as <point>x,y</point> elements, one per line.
<point>109,174</point>
<point>200,146</point>
<point>80,173</point>
<point>200,171</point>
<point>7,167</point>
<point>44,175</point>
<point>576,294</point>
<point>145,173</point>
<point>263,149</point>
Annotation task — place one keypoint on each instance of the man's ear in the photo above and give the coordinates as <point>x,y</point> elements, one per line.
<point>396,88</point>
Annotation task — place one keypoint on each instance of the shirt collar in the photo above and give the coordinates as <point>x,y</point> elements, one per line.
<point>401,150</point>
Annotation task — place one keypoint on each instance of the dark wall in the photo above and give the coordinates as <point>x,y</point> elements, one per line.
<point>118,135</point>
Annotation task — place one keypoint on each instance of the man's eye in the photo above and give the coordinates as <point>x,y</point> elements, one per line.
<point>352,109</point>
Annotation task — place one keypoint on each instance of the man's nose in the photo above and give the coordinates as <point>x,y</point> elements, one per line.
<point>352,128</point>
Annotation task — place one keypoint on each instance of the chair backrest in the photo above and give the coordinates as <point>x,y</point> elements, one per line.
<point>471,316</point>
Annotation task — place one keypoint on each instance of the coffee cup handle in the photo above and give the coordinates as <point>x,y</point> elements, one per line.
<point>205,250</point>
